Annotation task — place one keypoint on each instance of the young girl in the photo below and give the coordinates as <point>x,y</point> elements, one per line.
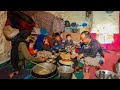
<point>31,48</point>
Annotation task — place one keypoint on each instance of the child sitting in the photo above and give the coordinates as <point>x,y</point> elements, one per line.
<point>31,48</point>
<point>46,44</point>
<point>68,41</point>
<point>81,45</point>
<point>56,43</point>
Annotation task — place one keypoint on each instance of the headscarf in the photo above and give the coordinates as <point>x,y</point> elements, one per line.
<point>39,41</point>
<point>15,43</point>
<point>44,31</point>
<point>48,38</point>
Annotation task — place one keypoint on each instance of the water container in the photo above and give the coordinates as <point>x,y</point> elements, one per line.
<point>117,67</point>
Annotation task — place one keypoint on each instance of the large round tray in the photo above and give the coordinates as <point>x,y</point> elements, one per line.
<point>107,73</point>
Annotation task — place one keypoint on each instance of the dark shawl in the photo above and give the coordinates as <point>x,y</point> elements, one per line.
<point>15,43</point>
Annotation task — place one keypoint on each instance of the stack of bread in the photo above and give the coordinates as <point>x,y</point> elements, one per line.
<point>65,58</point>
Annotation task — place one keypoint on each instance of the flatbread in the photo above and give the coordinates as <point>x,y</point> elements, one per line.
<point>66,62</point>
<point>65,56</point>
<point>43,71</point>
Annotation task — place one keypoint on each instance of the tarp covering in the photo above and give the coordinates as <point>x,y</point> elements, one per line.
<point>47,20</point>
<point>20,21</point>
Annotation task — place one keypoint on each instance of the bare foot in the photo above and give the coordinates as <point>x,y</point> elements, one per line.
<point>17,72</point>
<point>13,74</point>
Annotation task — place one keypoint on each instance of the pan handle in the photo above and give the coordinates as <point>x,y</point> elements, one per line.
<point>39,65</point>
<point>58,64</point>
<point>33,62</point>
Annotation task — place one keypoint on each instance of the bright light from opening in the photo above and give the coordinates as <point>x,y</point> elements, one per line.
<point>105,33</point>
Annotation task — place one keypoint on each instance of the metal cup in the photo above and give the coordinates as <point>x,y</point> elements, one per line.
<point>86,69</point>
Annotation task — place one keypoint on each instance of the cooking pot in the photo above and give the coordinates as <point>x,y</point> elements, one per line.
<point>65,72</point>
<point>106,74</point>
<point>39,72</point>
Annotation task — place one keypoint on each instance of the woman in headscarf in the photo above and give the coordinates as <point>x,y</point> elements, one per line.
<point>44,31</point>
<point>40,38</point>
<point>20,52</point>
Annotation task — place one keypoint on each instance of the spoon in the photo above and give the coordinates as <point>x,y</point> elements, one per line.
<point>40,65</point>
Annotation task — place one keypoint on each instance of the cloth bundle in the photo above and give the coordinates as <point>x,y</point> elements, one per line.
<point>10,32</point>
<point>92,61</point>
<point>44,20</point>
<point>58,25</point>
<point>36,30</point>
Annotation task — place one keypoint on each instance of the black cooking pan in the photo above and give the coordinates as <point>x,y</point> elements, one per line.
<point>51,68</point>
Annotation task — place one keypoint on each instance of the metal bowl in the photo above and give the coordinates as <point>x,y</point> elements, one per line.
<point>65,72</point>
<point>50,61</point>
<point>49,66</point>
<point>106,74</point>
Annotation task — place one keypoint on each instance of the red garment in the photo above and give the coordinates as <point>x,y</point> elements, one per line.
<point>24,25</point>
<point>31,50</point>
<point>49,41</point>
<point>8,22</point>
<point>77,50</point>
<point>20,22</point>
<point>47,46</point>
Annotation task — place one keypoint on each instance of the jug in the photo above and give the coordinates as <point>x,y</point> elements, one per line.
<point>117,67</point>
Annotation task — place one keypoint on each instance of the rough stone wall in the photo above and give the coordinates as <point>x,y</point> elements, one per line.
<point>5,45</point>
<point>73,16</point>
<point>105,25</point>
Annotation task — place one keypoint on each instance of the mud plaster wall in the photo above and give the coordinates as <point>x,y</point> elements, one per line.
<point>73,16</point>
<point>5,45</point>
<point>105,25</point>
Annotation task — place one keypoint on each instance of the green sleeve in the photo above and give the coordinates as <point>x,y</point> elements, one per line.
<point>26,53</point>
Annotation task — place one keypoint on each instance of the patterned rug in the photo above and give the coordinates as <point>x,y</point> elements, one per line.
<point>6,69</point>
<point>5,72</point>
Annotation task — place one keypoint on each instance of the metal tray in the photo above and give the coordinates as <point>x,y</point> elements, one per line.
<point>106,74</point>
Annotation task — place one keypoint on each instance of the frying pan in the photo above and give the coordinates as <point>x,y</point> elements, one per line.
<point>48,66</point>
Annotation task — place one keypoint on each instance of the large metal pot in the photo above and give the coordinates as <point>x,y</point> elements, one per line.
<point>65,72</point>
<point>49,71</point>
<point>106,74</point>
